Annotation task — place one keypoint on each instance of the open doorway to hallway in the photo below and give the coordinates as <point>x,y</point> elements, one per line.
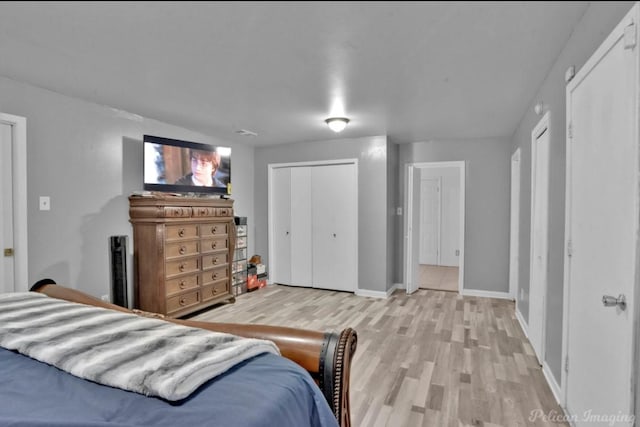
<point>438,277</point>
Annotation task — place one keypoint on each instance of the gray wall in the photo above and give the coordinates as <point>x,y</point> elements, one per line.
<point>371,153</point>
<point>598,21</point>
<point>486,235</point>
<point>88,159</point>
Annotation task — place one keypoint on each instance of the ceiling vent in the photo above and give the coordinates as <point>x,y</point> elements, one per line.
<point>245,132</point>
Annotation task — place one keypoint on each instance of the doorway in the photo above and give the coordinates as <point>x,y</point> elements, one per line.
<point>434,226</point>
<point>601,234</point>
<point>539,235</point>
<point>13,204</point>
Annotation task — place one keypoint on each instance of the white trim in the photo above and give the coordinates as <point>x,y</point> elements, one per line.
<point>523,324</point>
<point>375,294</point>
<point>399,286</point>
<point>409,170</point>
<point>313,163</point>
<point>514,250</point>
<point>553,384</point>
<point>539,129</point>
<point>20,213</point>
<point>485,294</point>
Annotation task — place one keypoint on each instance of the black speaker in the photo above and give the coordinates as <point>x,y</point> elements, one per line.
<point>118,257</point>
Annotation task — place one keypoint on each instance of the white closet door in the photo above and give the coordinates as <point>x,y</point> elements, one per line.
<point>301,226</point>
<point>430,221</point>
<point>334,209</point>
<point>281,209</point>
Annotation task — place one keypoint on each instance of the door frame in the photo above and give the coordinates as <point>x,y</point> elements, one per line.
<point>20,213</point>
<point>413,168</point>
<point>631,18</point>
<point>514,237</point>
<point>270,208</point>
<point>538,130</point>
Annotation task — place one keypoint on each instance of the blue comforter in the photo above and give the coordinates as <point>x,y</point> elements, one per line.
<point>265,391</point>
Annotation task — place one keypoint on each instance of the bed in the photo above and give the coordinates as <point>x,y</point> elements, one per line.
<point>303,382</point>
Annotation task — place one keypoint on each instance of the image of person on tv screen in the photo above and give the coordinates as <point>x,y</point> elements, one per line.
<point>204,165</point>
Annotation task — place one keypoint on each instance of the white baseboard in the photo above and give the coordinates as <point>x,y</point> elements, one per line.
<point>375,294</point>
<point>553,384</point>
<point>523,324</point>
<point>399,286</point>
<point>486,294</point>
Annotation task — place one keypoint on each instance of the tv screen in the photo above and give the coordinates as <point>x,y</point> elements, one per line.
<point>176,166</point>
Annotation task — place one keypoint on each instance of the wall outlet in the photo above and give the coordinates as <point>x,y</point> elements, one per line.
<point>105,298</point>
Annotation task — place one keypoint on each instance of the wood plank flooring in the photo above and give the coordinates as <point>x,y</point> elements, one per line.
<point>438,278</point>
<point>433,358</point>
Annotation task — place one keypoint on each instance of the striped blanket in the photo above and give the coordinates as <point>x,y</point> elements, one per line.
<point>140,354</point>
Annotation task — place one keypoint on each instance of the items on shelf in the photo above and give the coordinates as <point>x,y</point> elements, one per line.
<point>239,270</point>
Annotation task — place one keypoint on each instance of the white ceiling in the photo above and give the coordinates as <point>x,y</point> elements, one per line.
<point>414,71</point>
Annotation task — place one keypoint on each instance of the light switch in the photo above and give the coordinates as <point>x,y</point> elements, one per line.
<point>45,203</point>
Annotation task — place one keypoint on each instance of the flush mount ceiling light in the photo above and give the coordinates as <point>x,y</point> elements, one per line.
<point>337,124</point>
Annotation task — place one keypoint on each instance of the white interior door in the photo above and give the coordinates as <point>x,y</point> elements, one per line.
<point>7,279</point>
<point>539,235</point>
<point>430,208</point>
<point>300,219</point>
<point>334,217</point>
<point>514,237</point>
<point>602,229</point>
<point>280,257</point>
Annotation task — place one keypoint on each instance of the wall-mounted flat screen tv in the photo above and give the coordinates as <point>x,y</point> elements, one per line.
<point>177,166</point>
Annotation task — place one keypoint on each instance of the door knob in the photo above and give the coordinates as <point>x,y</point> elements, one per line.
<point>609,301</point>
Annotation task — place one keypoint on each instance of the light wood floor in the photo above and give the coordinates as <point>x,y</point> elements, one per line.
<point>429,359</point>
<point>440,278</point>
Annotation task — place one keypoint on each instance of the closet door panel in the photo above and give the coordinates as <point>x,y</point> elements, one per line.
<point>334,210</point>
<point>281,209</point>
<point>301,226</point>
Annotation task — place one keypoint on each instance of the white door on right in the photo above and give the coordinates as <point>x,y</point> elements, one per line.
<point>602,224</point>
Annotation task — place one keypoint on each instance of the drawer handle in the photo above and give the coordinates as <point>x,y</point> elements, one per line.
<point>181,232</point>
<point>182,301</point>
<point>214,261</point>
<point>214,291</point>
<point>214,245</point>
<point>203,211</point>
<point>214,276</point>
<point>214,230</point>
<point>182,284</point>
<point>183,250</point>
<point>182,266</point>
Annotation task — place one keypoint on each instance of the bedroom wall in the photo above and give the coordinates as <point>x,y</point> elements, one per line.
<point>371,153</point>
<point>486,238</point>
<point>596,24</point>
<point>88,159</point>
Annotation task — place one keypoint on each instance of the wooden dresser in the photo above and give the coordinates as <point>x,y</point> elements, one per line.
<point>183,249</point>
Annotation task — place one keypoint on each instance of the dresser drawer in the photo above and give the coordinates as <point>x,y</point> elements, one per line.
<point>214,260</point>
<point>214,229</point>
<point>188,265</point>
<point>211,245</point>
<point>181,284</point>
<point>179,232</point>
<point>214,275</point>
<point>179,249</point>
<point>215,290</point>
<point>183,301</point>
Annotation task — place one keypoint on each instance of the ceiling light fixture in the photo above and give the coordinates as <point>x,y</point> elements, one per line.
<point>337,124</point>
